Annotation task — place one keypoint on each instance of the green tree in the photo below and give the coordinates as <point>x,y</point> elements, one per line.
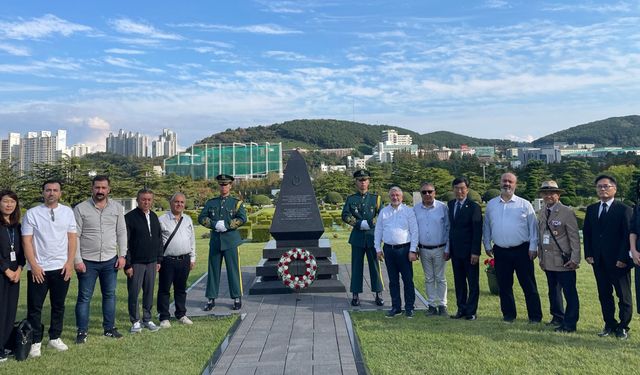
<point>260,200</point>
<point>490,194</point>
<point>333,197</point>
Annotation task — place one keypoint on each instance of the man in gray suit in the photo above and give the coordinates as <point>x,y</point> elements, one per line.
<point>559,253</point>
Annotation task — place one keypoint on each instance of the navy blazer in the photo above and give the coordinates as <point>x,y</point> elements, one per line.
<point>465,231</point>
<point>607,240</point>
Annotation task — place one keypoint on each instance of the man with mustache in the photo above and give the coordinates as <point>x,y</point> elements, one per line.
<point>102,247</point>
<point>510,223</point>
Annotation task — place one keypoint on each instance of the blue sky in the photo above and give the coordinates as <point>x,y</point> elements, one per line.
<point>491,69</point>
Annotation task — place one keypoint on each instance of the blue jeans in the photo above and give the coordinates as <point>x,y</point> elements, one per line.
<point>108,275</point>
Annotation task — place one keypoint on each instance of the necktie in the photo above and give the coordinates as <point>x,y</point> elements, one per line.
<point>603,211</point>
<point>455,212</point>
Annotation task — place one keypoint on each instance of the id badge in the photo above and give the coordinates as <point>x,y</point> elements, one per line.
<point>13,256</point>
<point>545,238</point>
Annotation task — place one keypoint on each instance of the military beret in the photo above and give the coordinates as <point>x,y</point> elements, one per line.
<point>224,178</point>
<point>361,173</point>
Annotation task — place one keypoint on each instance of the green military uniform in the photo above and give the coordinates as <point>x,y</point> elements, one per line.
<point>224,244</point>
<point>357,208</point>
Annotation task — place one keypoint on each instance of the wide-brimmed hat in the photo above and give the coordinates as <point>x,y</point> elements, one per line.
<point>550,186</point>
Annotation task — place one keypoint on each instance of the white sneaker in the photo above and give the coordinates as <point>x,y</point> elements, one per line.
<point>185,320</point>
<point>136,327</point>
<point>35,350</point>
<point>58,345</point>
<point>151,326</point>
<point>165,324</point>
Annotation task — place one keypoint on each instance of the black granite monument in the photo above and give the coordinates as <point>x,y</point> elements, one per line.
<point>297,223</point>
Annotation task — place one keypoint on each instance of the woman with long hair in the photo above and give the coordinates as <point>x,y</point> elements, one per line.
<point>11,262</point>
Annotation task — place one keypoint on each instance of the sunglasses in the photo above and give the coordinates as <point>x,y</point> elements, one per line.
<point>53,216</point>
<point>425,192</point>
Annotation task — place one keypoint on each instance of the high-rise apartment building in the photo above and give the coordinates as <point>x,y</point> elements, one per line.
<point>41,147</point>
<point>79,150</point>
<point>166,145</point>
<point>10,148</point>
<point>128,144</point>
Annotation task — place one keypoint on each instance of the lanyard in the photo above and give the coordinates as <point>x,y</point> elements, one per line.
<point>12,237</point>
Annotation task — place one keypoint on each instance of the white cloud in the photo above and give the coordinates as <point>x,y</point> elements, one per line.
<point>123,51</point>
<point>518,138</point>
<point>41,27</point>
<point>288,56</point>
<point>98,123</point>
<point>620,7</point>
<point>127,26</point>
<point>130,64</point>
<point>496,4</point>
<point>15,50</point>
<point>271,29</point>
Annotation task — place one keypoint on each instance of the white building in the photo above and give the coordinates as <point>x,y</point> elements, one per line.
<point>166,145</point>
<point>128,144</point>
<point>358,163</point>
<point>391,137</point>
<point>79,150</point>
<point>41,147</point>
<point>10,148</point>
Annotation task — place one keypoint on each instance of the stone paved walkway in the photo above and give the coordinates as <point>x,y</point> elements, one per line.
<point>288,334</point>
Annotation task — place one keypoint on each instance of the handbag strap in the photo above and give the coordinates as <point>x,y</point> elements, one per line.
<point>554,237</point>
<point>172,234</point>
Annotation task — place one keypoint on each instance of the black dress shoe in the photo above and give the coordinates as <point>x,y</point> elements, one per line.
<point>379,300</point>
<point>458,315</point>
<point>622,333</point>
<point>237,304</point>
<point>355,301</point>
<point>210,305</point>
<point>471,317</point>
<point>605,332</point>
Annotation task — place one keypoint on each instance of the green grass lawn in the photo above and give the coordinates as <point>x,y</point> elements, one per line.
<point>437,345</point>
<point>178,350</point>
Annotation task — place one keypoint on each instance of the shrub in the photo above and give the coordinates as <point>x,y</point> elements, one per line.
<point>244,231</point>
<point>333,197</point>
<point>260,233</point>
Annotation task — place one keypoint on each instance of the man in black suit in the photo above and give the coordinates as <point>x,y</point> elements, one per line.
<point>606,248</point>
<point>465,234</point>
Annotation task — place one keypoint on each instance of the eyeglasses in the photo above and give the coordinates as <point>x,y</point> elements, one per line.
<point>425,192</point>
<point>53,216</point>
<point>604,187</point>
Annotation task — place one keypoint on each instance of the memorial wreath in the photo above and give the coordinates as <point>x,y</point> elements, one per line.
<point>297,281</point>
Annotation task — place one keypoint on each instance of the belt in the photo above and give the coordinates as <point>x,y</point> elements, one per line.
<point>398,246</point>
<point>179,257</point>
<point>431,247</point>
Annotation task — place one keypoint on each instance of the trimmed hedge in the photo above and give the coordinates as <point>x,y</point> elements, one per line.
<point>260,233</point>
<point>245,231</point>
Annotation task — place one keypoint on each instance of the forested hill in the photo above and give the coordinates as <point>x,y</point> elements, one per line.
<point>614,131</point>
<point>339,134</point>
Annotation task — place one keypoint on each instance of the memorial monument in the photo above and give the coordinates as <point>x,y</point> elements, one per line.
<point>297,224</point>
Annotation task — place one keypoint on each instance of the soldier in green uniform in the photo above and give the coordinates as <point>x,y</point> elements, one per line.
<point>360,211</point>
<point>223,215</point>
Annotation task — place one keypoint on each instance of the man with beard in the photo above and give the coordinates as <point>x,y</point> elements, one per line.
<point>511,225</point>
<point>102,248</point>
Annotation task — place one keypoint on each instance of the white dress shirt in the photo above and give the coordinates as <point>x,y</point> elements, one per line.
<point>396,226</point>
<point>510,223</point>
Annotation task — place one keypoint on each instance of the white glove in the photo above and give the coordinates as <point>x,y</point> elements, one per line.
<point>220,226</point>
<point>364,225</point>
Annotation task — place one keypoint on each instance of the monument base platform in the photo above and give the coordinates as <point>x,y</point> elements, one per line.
<point>277,287</point>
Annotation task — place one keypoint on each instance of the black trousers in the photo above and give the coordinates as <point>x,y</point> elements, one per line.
<point>57,288</point>
<point>466,279</point>
<point>609,279</point>
<point>9,293</point>
<point>173,271</point>
<point>559,283</point>
<point>397,261</point>
<point>517,259</point>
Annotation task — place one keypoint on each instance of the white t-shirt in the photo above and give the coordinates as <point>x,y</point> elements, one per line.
<point>50,241</point>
